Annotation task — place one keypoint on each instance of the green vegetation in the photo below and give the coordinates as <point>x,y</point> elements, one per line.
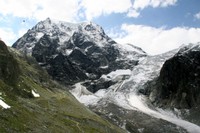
<point>56,110</point>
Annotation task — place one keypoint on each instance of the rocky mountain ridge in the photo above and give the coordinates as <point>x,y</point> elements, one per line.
<point>76,52</point>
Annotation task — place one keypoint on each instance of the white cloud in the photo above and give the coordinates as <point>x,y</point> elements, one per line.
<point>158,40</point>
<point>7,35</point>
<point>40,9</point>
<point>22,8</point>
<point>21,32</point>
<point>141,4</point>
<point>133,13</point>
<point>68,10</point>
<point>73,10</point>
<point>96,8</point>
<point>62,10</point>
<point>197,16</point>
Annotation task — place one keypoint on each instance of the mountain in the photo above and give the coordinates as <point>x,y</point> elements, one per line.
<point>135,102</point>
<point>31,102</point>
<point>178,83</point>
<point>119,82</point>
<point>179,79</point>
<point>125,103</point>
<point>75,52</point>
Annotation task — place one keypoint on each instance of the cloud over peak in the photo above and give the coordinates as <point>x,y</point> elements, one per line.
<point>96,8</point>
<point>157,40</point>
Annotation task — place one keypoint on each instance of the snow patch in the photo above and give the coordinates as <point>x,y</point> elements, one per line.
<point>83,95</point>
<point>141,130</point>
<point>86,97</point>
<point>35,94</point>
<point>80,90</point>
<point>120,72</point>
<point>4,105</point>
<point>130,52</point>
<point>54,56</point>
<point>103,67</point>
<point>68,51</point>
<point>131,48</point>
<point>117,75</point>
<point>190,47</point>
<point>39,35</point>
<point>41,63</point>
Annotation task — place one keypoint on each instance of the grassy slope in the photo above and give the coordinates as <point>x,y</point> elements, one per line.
<point>55,110</point>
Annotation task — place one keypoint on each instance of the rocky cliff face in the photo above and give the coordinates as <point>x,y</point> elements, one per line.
<point>9,69</point>
<point>179,82</point>
<point>75,52</point>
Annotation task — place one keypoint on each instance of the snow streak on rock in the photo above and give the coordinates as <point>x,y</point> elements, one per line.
<point>35,94</point>
<point>4,105</point>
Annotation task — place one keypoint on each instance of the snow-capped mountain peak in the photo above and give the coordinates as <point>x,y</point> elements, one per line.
<point>188,48</point>
<point>63,31</point>
<point>83,47</point>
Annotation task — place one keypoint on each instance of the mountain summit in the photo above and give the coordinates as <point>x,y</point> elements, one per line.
<point>76,52</point>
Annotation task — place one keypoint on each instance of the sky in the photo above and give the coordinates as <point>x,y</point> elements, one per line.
<point>156,26</point>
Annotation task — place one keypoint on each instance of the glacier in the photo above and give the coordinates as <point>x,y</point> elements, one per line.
<point>125,92</point>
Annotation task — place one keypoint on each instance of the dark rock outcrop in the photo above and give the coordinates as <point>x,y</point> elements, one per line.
<point>9,69</point>
<point>179,82</point>
<point>94,86</point>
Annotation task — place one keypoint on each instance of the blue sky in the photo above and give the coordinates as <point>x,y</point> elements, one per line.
<point>154,25</point>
